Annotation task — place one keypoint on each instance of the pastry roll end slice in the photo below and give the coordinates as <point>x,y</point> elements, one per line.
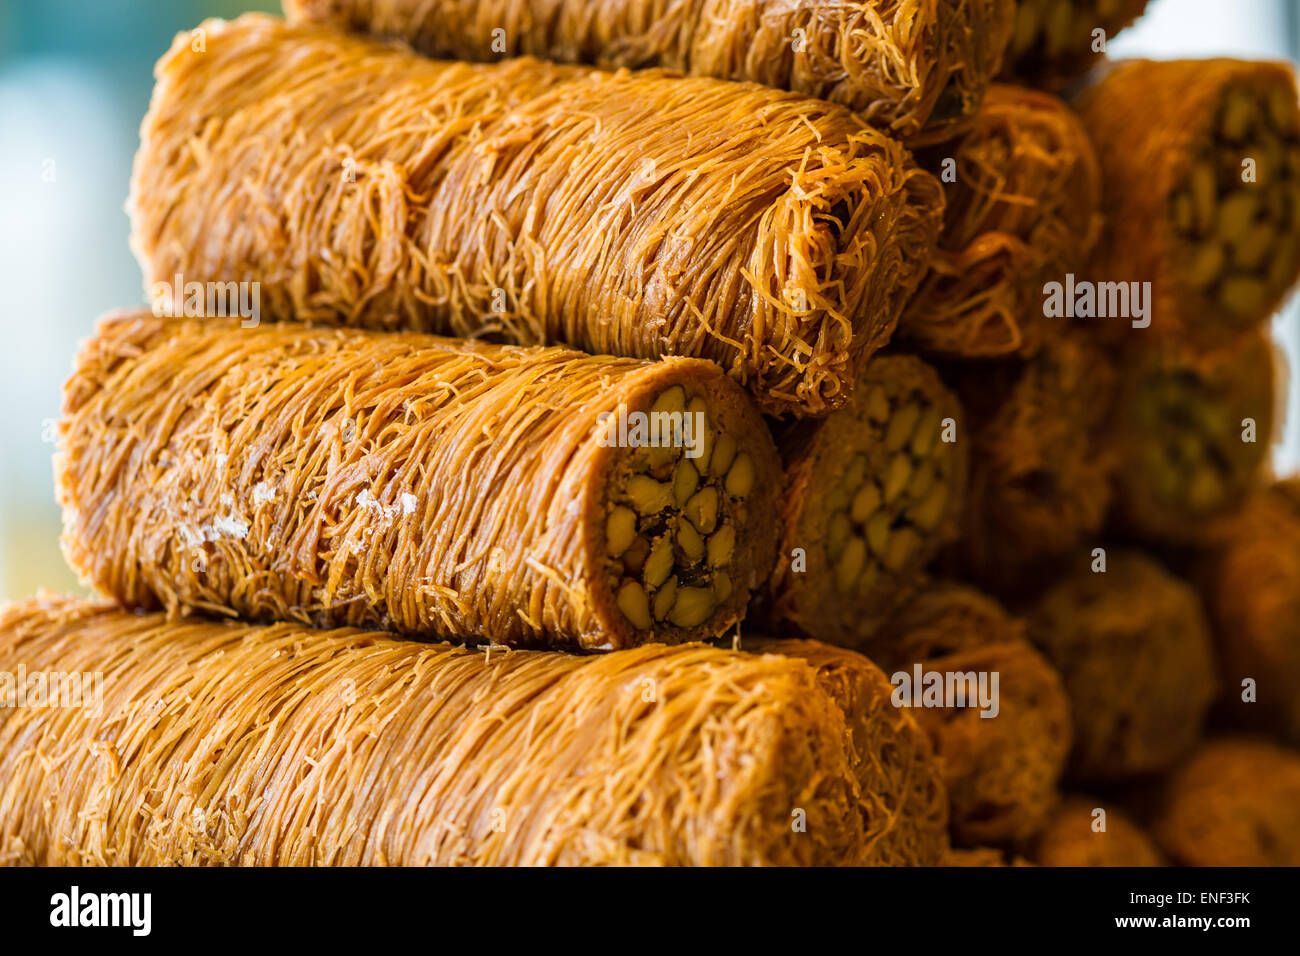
<point>1003,756</point>
<point>1250,579</point>
<point>1234,802</point>
<point>1040,468</point>
<point>1191,437</point>
<point>872,494</point>
<point>1073,837</point>
<point>1201,165</point>
<point>898,765</point>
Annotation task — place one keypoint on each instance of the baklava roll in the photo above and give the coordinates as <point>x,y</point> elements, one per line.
<point>872,493</point>
<point>1191,436</point>
<point>915,68</point>
<point>1001,762</point>
<point>223,743</point>
<point>435,487</point>
<point>1133,646</point>
<point>911,829</point>
<point>1201,161</point>
<point>1076,835</point>
<point>1023,209</point>
<point>635,214</point>
<point>1235,802</point>
<point>1056,41</point>
<point>1040,471</point>
<point>1250,579</point>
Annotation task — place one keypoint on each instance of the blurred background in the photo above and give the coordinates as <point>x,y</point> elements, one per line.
<point>75,78</point>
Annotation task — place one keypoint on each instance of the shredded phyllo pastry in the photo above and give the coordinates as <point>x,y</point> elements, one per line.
<point>915,68</point>
<point>222,743</point>
<point>679,433</point>
<point>1023,210</point>
<point>637,214</point>
<point>895,760</point>
<point>426,485</point>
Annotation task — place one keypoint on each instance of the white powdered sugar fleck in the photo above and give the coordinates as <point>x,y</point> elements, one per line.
<point>368,502</point>
<point>231,526</point>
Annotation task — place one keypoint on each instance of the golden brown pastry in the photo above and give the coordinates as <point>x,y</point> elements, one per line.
<point>1250,580</point>
<point>1001,770</point>
<point>1055,40</point>
<point>1235,802</point>
<point>425,485</point>
<point>1077,836</point>
<point>1191,437</point>
<point>895,759</point>
<point>916,68</point>
<point>1201,165</point>
<point>638,214</point>
<point>1023,210</point>
<point>1040,468</point>
<point>872,493</point>
<point>226,743</point>
<point>1133,647</point>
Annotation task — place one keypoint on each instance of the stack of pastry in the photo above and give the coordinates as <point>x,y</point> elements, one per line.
<point>641,407</point>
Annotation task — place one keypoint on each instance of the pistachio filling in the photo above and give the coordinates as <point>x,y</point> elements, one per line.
<point>1242,238</point>
<point>888,505</point>
<point>671,527</point>
<point>1188,435</point>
